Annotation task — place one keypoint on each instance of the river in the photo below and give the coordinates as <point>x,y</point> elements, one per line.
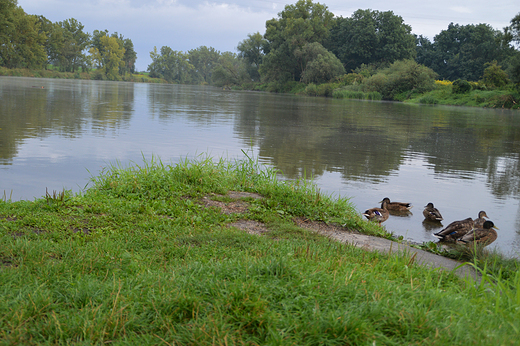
<point>56,134</point>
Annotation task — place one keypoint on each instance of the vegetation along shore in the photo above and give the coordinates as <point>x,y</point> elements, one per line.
<point>305,50</point>
<point>209,252</point>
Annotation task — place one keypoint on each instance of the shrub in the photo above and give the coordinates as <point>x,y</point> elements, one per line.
<point>494,76</point>
<point>428,100</point>
<point>461,86</point>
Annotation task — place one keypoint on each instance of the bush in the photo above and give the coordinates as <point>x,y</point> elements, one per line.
<point>461,86</point>
<point>428,100</point>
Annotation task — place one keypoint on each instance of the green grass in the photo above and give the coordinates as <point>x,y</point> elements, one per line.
<point>137,259</point>
<point>476,98</point>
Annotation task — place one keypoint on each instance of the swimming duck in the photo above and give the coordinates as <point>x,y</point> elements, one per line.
<point>455,230</point>
<point>479,222</point>
<point>485,235</point>
<point>397,206</point>
<point>378,214</point>
<point>431,213</point>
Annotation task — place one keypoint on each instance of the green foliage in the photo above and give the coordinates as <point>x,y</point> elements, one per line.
<point>371,37</point>
<point>109,57</point>
<point>230,70</point>
<point>173,66</point>
<point>461,86</point>
<point>346,93</point>
<point>21,41</point>
<point>461,51</point>
<point>297,25</point>
<point>405,76</point>
<point>204,60</point>
<point>71,43</point>
<point>319,65</point>
<point>251,50</point>
<point>494,76</point>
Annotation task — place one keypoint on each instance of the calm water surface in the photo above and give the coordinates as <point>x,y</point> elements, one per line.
<point>461,159</point>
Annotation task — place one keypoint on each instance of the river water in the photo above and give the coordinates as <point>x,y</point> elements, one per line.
<point>56,134</point>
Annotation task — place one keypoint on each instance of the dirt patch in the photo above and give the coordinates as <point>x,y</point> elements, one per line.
<point>228,208</point>
<point>319,226</point>
<point>250,226</point>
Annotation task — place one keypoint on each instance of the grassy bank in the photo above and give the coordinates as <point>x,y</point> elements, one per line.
<point>141,77</point>
<point>142,257</point>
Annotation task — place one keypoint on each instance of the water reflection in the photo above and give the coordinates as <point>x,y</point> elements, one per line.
<point>60,107</point>
<point>461,159</point>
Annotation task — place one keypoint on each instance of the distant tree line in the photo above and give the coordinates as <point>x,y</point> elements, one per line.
<point>306,43</point>
<point>34,42</point>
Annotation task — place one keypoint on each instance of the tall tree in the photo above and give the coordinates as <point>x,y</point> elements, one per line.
<point>75,42</point>
<point>298,24</point>
<point>251,50</point>
<point>230,70</point>
<point>461,51</point>
<point>319,65</point>
<point>21,41</point>
<point>371,37</point>
<point>171,65</point>
<point>108,59</point>
<point>203,60</point>
<point>129,57</point>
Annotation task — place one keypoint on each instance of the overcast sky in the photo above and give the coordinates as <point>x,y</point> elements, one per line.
<point>187,24</point>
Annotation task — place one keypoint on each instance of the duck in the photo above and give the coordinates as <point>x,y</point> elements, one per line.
<point>484,235</point>
<point>455,230</point>
<point>378,214</point>
<point>479,222</point>
<point>397,206</point>
<point>431,213</point>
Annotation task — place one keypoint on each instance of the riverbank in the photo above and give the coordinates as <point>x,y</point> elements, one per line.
<point>348,87</point>
<point>212,252</point>
<point>140,77</point>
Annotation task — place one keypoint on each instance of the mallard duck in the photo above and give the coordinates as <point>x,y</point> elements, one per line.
<point>484,235</point>
<point>455,230</point>
<point>397,206</point>
<point>431,213</point>
<point>378,214</point>
<point>479,222</point>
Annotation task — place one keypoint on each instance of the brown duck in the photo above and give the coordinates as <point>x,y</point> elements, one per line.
<point>378,214</point>
<point>455,230</point>
<point>431,213</point>
<point>479,222</point>
<point>396,206</point>
<point>485,235</point>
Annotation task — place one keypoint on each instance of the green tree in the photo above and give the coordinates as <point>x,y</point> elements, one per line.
<point>494,76</point>
<point>230,70</point>
<point>54,39</point>
<point>299,24</point>
<point>21,41</point>
<point>72,55</point>
<point>461,51</point>
<point>129,57</point>
<point>514,35</point>
<point>403,76</point>
<point>371,37</point>
<point>203,60</point>
<point>319,65</point>
<point>108,59</point>
<point>251,50</point>
<point>171,65</point>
